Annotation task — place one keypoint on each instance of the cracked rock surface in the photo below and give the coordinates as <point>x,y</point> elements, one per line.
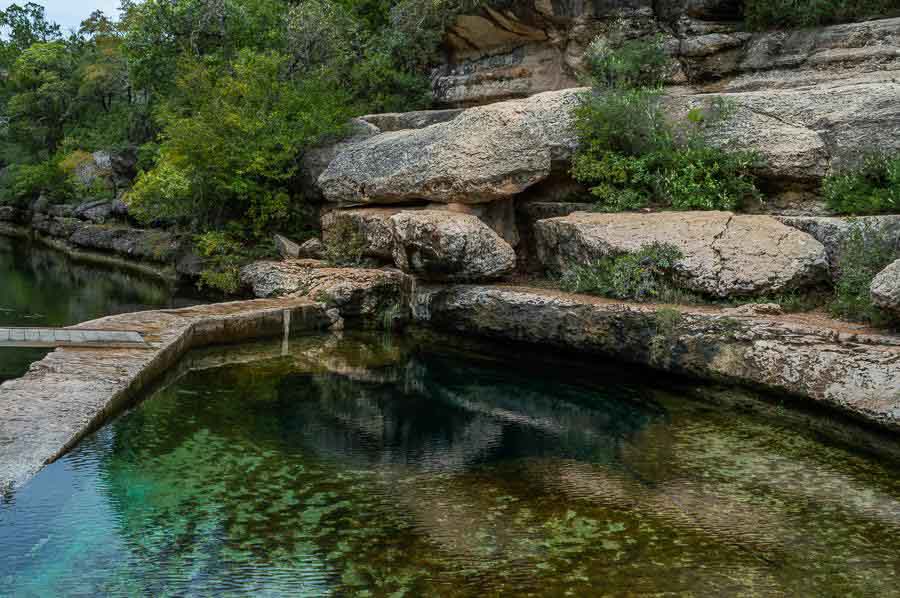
<point>484,154</point>
<point>725,254</point>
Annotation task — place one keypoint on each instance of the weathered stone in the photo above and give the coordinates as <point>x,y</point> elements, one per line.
<point>119,209</point>
<point>355,292</point>
<point>59,228</point>
<point>189,264</point>
<point>803,134</point>
<point>40,205</point>
<point>857,373</point>
<point>312,249</point>
<point>444,245</point>
<point>97,212</point>
<point>286,248</point>
<point>725,255</point>
<point>372,225</point>
<point>540,46</point>
<point>484,154</point>
<point>885,289</point>
<point>152,245</point>
<point>500,216</point>
<point>832,232</point>
<point>400,121</point>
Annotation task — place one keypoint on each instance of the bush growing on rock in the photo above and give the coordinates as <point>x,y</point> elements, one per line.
<point>864,253</point>
<point>632,157</point>
<point>872,189</point>
<point>644,275</point>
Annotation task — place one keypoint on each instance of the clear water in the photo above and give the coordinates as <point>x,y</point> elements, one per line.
<point>41,287</point>
<point>368,466</point>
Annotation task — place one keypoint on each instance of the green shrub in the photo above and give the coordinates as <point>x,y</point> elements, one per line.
<point>345,245</point>
<point>784,14</point>
<point>644,275</point>
<point>864,253</point>
<point>630,156</point>
<point>872,189</point>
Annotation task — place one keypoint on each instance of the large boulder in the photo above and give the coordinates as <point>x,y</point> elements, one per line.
<point>151,245</point>
<point>885,288</point>
<point>725,255</point>
<point>446,245</point>
<point>484,154</point>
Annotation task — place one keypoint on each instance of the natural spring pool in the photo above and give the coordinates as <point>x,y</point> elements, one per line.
<point>372,465</point>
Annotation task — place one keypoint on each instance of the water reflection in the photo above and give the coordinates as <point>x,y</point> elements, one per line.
<point>41,287</point>
<point>367,466</point>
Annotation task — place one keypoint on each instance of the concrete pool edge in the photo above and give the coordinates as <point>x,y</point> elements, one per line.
<point>71,392</point>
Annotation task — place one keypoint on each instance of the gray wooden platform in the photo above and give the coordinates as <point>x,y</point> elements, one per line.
<point>69,337</point>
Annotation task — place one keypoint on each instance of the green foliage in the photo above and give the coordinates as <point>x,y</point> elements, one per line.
<point>345,245</point>
<point>772,14</point>
<point>644,275</point>
<point>224,253</point>
<point>865,252</point>
<point>230,149</point>
<point>872,189</point>
<point>632,157</point>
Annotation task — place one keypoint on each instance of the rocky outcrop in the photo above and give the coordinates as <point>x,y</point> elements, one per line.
<point>539,46</point>
<point>13,215</point>
<point>852,371</point>
<point>452,246</point>
<point>484,154</point>
<point>354,292</point>
<point>725,255</point>
<point>833,232</point>
<point>803,134</point>
<point>885,288</point>
<point>152,245</point>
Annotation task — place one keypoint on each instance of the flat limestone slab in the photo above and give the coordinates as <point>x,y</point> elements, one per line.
<point>74,390</point>
<point>60,337</point>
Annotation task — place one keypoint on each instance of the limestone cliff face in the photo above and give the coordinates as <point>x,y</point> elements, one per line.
<point>539,46</point>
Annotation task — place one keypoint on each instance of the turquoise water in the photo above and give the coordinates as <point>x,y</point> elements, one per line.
<point>360,465</point>
<point>41,287</point>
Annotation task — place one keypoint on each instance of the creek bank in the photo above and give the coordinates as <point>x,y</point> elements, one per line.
<point>100,231</point>
<point>841,366</point>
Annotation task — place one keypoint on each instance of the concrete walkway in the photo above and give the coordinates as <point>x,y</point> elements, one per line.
<point>73,391</point>
<point>61,337</point>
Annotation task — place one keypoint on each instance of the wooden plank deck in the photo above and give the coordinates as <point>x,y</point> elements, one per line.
<point>49,338</point>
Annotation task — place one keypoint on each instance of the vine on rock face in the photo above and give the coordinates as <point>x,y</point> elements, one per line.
<point>632,156</point>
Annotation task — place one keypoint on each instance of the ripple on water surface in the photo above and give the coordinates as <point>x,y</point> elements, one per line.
<point>359,465</point>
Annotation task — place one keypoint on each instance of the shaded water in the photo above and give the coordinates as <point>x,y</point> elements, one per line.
<point>367,466</point>
<point>41,287</point>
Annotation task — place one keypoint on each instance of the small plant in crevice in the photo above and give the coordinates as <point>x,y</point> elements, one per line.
<point>644,275</point>
<point>667,322</point>
<point>873,188</point>
<point>865,252</point>
<point>632,156</point>
<point>345,245</point>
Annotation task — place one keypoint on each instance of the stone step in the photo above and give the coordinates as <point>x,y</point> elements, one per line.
<point>69,337</point>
